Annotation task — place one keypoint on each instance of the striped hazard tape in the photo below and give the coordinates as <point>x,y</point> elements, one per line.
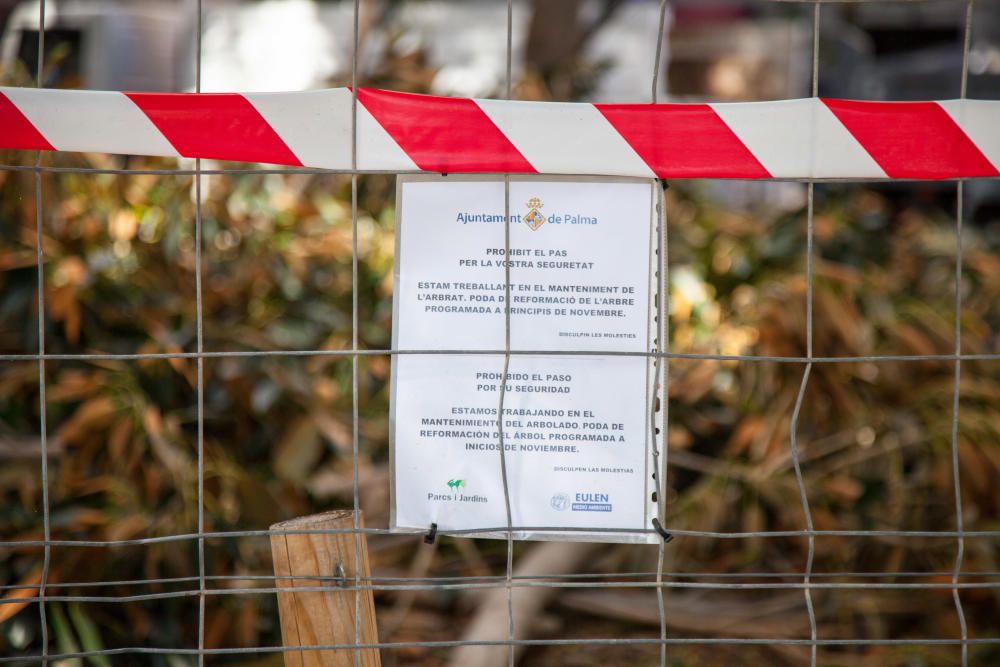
<point>806,138</point>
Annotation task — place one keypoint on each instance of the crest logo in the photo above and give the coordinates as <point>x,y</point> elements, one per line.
<point>559,502</point>
<point>534,219</point>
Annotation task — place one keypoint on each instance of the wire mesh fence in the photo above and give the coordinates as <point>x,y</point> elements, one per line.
<point>783,583</point>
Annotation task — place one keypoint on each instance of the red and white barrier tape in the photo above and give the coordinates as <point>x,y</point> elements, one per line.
<point>807,138</point>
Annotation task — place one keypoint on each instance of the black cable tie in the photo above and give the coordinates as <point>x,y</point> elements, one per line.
<point>431,534</point>
<point>667,537</point>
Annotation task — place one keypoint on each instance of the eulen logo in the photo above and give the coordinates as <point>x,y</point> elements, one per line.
<point>592,502</point>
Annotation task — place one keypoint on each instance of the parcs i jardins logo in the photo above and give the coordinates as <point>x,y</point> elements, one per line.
<point>456,494</point>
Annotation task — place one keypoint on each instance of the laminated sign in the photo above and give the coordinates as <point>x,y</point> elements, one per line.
<point>576,411</point>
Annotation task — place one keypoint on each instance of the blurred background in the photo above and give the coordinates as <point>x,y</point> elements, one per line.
<point>119,251</point>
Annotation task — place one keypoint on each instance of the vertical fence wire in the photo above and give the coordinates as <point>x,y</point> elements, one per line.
<point>42,400</point>
<point>355,440</point>
<point>200,343</point>
<point>508,89</point>
<point>661,365</point>
<point>956,396</point>
<point>804,385</point>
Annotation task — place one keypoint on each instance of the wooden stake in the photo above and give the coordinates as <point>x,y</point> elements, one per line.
<point>311,618</point>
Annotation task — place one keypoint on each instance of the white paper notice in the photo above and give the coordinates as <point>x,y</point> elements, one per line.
<point>576,427</point>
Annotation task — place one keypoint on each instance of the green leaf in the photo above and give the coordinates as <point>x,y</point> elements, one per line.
<point>90,636</point>
<point>64,637</point>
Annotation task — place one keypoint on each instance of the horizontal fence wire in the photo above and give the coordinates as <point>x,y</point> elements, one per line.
<point>578,642</point>
<point>246,171</point>
<point>737,535</point>
<point>503,583</point>
<point>888,358</point>
<point>376,583</point>
<point>206,585</point>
